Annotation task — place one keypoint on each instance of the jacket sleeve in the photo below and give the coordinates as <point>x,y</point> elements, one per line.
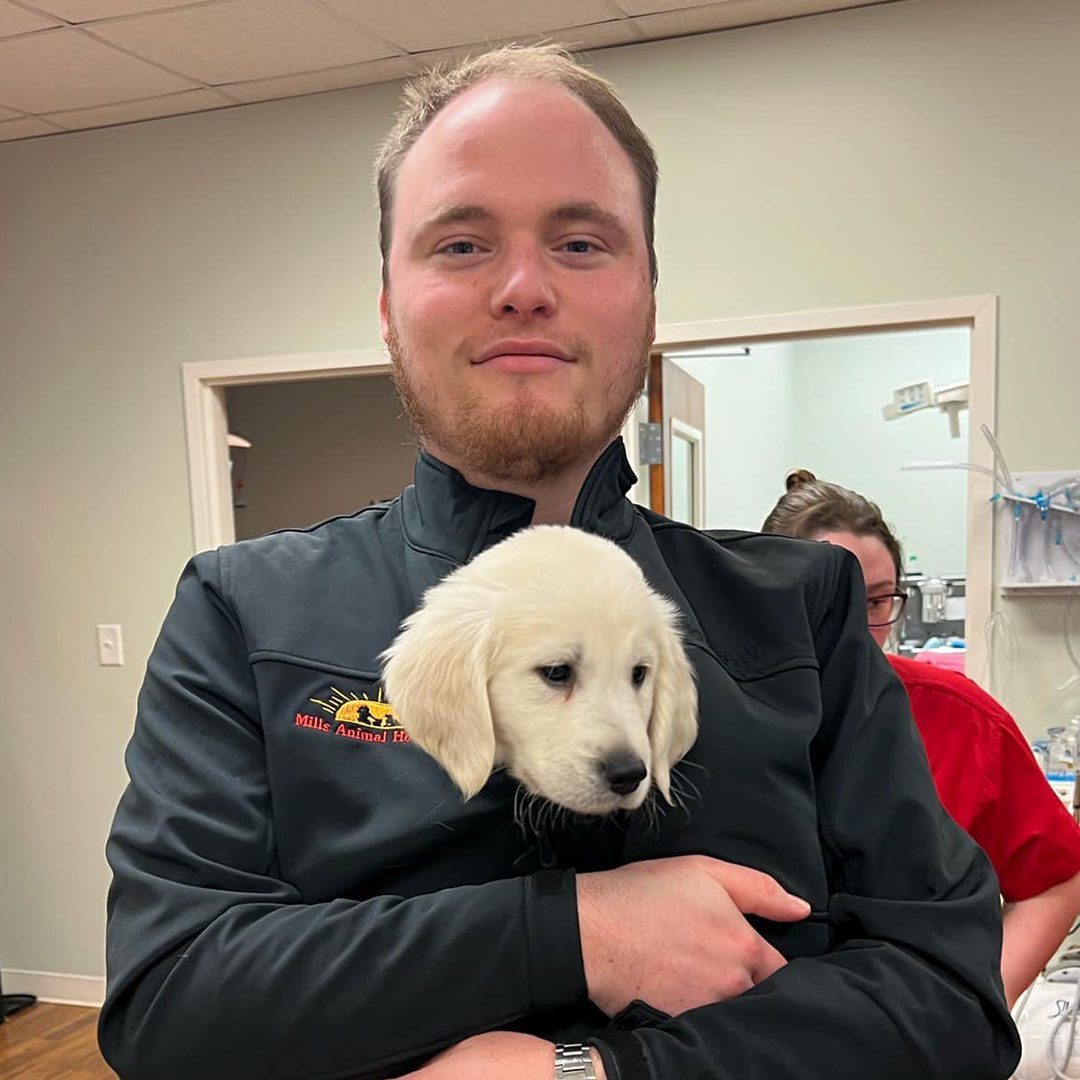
<point>217,970</point>
<point>910,986</point>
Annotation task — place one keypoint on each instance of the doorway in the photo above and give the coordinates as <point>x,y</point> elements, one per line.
<point>829,404</point>
<point>310,450</point>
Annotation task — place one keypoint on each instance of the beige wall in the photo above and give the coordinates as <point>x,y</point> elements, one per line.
<point>900,152</point>
<point>319,448</point>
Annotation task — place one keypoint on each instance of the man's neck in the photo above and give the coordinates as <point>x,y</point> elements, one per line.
<point>555,502</point>
<point>555,498</point>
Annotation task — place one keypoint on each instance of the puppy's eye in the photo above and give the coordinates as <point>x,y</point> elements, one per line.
<point>556,674</point>
<point>637,676</point>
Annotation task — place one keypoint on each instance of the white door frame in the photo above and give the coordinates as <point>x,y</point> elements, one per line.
<point>696,440</point>
<point>205,382</point>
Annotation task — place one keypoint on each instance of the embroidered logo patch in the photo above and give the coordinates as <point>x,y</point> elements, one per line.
<point>355,717</point>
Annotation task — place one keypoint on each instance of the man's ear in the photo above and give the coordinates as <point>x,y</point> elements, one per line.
<point>435,675</point>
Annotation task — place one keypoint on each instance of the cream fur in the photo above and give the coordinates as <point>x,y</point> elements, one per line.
<point>463,674</point>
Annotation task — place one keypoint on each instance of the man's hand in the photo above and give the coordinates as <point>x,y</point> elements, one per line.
<point>496,1056</point>
<point>671,932</point>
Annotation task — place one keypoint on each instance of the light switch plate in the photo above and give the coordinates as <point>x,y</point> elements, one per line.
<point>110,645</point>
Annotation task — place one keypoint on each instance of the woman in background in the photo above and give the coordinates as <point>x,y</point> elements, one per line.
<point>985,773</point>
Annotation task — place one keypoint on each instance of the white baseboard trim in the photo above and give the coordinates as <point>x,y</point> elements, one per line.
<point>54,988</point>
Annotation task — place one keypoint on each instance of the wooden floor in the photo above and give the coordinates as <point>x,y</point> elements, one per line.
<point>52,1042</point>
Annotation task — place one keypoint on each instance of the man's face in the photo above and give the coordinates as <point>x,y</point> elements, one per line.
<point>519,307</point>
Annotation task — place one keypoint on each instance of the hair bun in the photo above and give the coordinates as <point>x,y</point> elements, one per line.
<point>797,477</point>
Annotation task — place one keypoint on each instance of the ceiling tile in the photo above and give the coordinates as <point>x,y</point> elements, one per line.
<point>26,128</point>
<point>64,69</point>
<point>81,11</point>
<point>17,20</point>
<point>425,25</point>
<point>695,19</point>
<point>128,111</point>
<point>315,82</point>
<point>618,32</point>
<point>698,20</point>
<point>701,18</point>
<point>598,36</point>
<point>650,7</point>
<point>244,39</point>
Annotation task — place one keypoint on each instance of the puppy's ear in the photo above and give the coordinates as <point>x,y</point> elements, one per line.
<point>673,724</point>
<point>435,675</point>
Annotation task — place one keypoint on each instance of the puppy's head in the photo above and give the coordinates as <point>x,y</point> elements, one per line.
<point>550,654</point>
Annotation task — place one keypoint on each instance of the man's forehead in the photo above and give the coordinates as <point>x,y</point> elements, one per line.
<point>504,136</point>
<point>505,99</point>
<point>515,120</point>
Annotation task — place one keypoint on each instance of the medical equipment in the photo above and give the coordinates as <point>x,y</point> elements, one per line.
<point>1060,765</point>
<point>934,594</point>
<point>1046,1017</point>
<point>949,399</point>
<point>1044,514</point>
<point>1043,527</point>
<point>1044,542</point>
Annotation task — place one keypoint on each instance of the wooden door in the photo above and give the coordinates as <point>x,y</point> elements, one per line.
<point>677,403</point>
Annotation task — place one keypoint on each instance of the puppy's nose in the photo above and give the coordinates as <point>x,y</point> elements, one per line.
<point>623,773</point>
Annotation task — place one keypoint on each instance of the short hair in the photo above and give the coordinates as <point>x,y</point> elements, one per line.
<point>426,95</point>
<point>811,506</point>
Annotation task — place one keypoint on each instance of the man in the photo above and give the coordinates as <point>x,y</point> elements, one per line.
<point>300,895</point>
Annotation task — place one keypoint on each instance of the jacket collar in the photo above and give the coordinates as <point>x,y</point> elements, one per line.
<point>444,515</point>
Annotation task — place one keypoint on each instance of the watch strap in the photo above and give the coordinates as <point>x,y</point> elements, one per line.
<point>573,1062</point>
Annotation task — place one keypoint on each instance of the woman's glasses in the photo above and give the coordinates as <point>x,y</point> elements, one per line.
<point>886,608</point>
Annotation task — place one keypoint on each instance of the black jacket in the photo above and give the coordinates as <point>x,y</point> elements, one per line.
<point>300,893</point>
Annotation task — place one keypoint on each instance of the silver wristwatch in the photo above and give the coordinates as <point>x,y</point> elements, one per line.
<point>573,1062</point>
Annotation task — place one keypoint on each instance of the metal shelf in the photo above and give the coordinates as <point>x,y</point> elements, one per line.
<point>1041,588</point>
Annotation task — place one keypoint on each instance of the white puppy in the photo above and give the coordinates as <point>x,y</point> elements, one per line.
<point>548,654</point>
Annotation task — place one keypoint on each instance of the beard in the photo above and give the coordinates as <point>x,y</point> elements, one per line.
<point>525,440</point>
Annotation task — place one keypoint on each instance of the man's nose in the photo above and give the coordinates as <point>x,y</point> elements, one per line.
<point>524,286</point>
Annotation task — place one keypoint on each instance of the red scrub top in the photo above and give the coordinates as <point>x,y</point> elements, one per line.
<point>989,781</point>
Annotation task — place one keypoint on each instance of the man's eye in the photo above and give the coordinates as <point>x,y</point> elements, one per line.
<point>556,674</point>
<point>580,247</point>
<point>459,247</point>
<point>637,676</point>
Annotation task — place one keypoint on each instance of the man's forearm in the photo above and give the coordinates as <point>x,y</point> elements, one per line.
<point>495,1056</point>
<point>236,975</point>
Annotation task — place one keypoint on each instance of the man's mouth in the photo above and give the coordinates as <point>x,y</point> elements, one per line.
<point>524,356</point>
